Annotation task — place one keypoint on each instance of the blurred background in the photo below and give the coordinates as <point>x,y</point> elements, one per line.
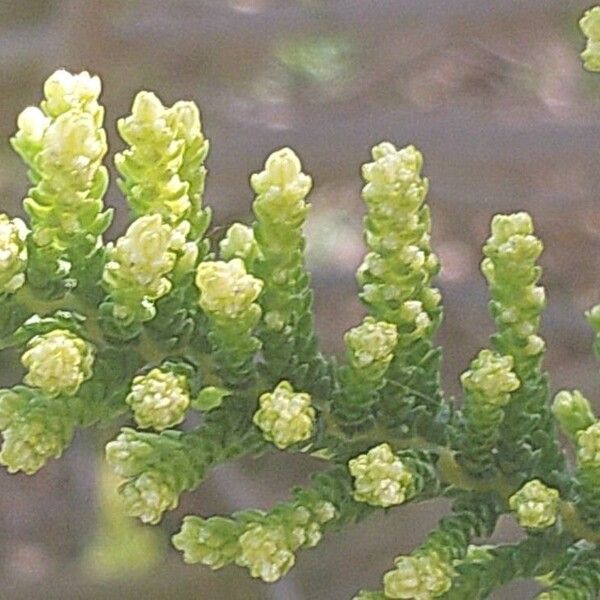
<point>493,94</point>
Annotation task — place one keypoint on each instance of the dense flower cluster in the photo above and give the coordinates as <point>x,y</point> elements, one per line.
<point>57,362</point>
<point>285,417</point>
<point>159,399</point>
<point>380,478</point>
<point>536,505</point>
<point>163,325</point>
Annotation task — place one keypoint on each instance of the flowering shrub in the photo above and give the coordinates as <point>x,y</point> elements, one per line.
<point>163,324</point>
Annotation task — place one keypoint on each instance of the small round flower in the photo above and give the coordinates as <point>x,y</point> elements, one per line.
<point>159,399</point>
<point>536,505</point>
<point>380,477</point>
<point>226,289</point>
<point>58,362</point>
<point>285,417</point>
<point>588,445</point>
<point>13,254</point>
<point>371,343</point>
<point>265,552</point>
<point>491,378</point>
<point>418,578</point>
<point>149,496</point>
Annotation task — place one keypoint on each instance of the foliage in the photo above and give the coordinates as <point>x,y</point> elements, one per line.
<point>162,324</point>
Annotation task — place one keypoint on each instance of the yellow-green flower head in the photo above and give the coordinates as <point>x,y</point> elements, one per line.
<point>149,496</point>
<point>572,411</point>
<point>212,542</point>
<point>535,505</point>
<point>226,289</point>
<point>588,446</point>
<point>418,578</point>
<point>65,91</point>
<point>491,378</point>
<point>590,26</point>
<point>73,148</point>
<point>159,399</point>
<point>372,342</point>
<point>285,417</point>
<point>396,175</point>
<point>282,176</point>
<point>13,254</point>
<point>380,477</point>
<point>265,552</point>
<point>145,255</point>
<point>238,242</point>
<point>162,169</point>
<point>58,362</point>
<point>149,130</point>
<point>30,443</point>
<point>512,238</point>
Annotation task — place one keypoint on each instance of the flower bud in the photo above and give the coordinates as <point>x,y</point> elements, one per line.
<point>159,399</point>
<point>65,91</point>
<point>238,242</point>
<point>136,273</point>
<point>226,289</point>
<point>285,417</point>
<point>212,542</point>
<point>588,446</point>
<point>73,147</point>
<point>380,477</point>
<point>418,577</point>
<point>395,173</point>
<point>491,378</point>
<point>265,552</point>
<point>590,26</point>
<point>573,412</point>
<point>28,445</point>
<point>13,254</point>
<point>371,344</point>
<point>129,454</point>
<point>32,124</point>
<point>149,496</point>
<point>58,362</point>
<point>535,505</point>
<point>283,176</point>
